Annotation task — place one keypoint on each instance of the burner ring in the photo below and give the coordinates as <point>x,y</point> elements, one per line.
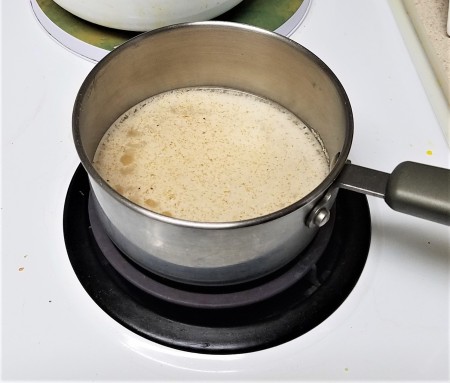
<point>281,318</point>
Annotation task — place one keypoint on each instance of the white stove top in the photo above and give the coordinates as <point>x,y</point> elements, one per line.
<point>393,326</point>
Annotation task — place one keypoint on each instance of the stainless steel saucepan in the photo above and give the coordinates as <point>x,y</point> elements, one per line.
<point>263,63</point>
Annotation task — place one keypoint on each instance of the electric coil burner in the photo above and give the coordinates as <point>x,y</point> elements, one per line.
<point>231,319</point>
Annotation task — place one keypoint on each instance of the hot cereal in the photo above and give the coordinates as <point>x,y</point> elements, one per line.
<point>211,155</point>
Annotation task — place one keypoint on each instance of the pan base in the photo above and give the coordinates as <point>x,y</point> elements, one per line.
<point>243,318</point>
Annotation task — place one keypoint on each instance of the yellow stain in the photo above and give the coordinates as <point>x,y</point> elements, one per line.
<point>429,152</point>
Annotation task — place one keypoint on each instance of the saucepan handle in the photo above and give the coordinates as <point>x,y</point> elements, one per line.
<point>412,188</point>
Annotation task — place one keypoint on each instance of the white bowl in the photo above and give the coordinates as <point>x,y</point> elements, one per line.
<point>145,15</point>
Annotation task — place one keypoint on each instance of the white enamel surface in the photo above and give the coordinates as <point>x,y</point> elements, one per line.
<point>394,325</point>
<point>95,54</point>
<point>144,15</point>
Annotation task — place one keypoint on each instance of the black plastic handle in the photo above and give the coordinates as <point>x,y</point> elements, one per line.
<point>412,188</point>
<point>420,190</point>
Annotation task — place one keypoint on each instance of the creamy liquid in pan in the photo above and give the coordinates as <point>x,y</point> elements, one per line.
<point>211,155</point>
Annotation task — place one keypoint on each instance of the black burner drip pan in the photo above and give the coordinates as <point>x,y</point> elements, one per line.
<point>235,319</point>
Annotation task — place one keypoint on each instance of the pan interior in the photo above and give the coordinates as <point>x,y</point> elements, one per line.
<point>211,155</point>
<point>206,54</point>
